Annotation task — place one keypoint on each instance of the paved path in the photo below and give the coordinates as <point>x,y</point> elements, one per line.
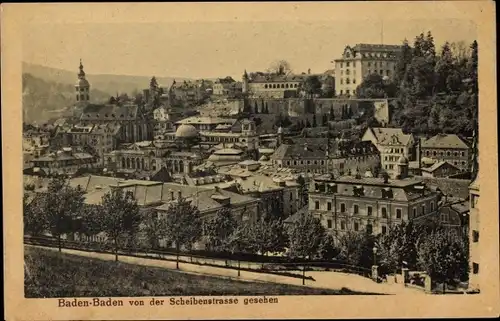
<point>322,279</point>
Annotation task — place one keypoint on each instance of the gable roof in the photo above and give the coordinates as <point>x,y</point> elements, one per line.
<point>110,112</point>
<point>445,141</point>
<point>437,165</point>
<point>390,136</point>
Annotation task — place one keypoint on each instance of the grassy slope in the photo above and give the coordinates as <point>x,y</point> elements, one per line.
<point>63,275</point>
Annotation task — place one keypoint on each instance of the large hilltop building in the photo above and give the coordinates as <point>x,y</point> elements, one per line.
<point>361,60</point>
<point>271,85</point>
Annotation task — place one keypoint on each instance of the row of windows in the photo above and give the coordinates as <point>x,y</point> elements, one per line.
<point>82,97</point>
<point>315,162</point>
<point>380,72</point>
<point>355,226</point>
<point>347,81</point>
<point>347,92</point>
<point>269,86</point>
<point>369,209</point>
<point>442,153</point>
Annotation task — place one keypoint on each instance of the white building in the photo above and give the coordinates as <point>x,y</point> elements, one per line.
<point>360,61</point>
<point>392,144</point>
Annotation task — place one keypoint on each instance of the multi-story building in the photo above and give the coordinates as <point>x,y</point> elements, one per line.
<point>279,196</point>
<point>361,60</point>
<point>392,144</point>
<point>447,148</point>
<point>35,142</point>
<point>474,221</point>
<point>222,86</point>
<point>66,161</point>
<point>321,155</point>
<point>157,197</point>
<point>372,204</point>
<point>145,158</point>
<point>272,85</point>
<point>101,138</point>
<point>213,131</point>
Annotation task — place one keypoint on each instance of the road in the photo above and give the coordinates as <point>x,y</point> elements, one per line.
<point>322,279</point>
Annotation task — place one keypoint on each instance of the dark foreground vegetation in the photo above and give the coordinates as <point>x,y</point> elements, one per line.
<point>51,274</point>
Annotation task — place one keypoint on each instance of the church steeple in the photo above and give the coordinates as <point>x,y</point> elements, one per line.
<point>81,74</point>
<point>82,87</point>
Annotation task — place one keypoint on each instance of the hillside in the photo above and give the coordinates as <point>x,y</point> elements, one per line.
<point>47,99</point>
<point>110,84</point>
<point>51,274</point>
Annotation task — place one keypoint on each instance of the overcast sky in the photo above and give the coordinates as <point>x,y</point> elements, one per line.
<point>213,49</point>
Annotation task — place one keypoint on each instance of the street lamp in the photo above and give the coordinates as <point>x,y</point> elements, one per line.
<point>375,249</point>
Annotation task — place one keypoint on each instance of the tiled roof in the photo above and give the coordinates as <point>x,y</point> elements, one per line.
<point>314,148</point>
<point>206,120</point>
<point>445,141</point>
<point>449,186</point>
<point>361,47</point>
<point>402,190</point>
<point>386,136</point>
<point>437,165</point>
<point>149,193</point>
<point>110,112</point>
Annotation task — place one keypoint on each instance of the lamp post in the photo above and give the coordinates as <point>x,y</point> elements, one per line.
<point>375,267</point>
<point>375,249</point>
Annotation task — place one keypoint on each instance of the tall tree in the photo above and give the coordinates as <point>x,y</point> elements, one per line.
<point>34,217</point>
<point>327,249</point>
<point>312,86</point>
<point>315,123</point>
<point>444,256</point>
<point>305,238</point>
<point>153,228</point>
<point>351,247</point>
<point>404,59</point>
<point>183,225</point>
<point>324,120</point>
<point>218,229</point>
<point>62,204</point>
<point>331,114</point>
<point>92,220</point>
<point>374,86</point>
<point>280,67</point>
<point>121,217</point>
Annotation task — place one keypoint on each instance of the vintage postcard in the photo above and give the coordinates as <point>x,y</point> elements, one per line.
<point>250,160</point>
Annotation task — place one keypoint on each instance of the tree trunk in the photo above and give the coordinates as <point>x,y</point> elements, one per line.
<point>238,267</point>
<point>177,247</point>
<point>444,287</point>
<point>304,274</point>
<point>59,242</point>
<point>116,250</point>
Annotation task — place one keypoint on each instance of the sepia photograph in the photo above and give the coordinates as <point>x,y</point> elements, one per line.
<point>240,161</point>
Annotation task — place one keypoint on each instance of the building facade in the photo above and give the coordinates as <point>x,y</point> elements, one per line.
<point>447,148</point>
<point>66,161</point>
<point>321,155</point>
<point>271,85</point>
<point>361,60</point>
<point>372,204</point>
<point>474,227</point>
<point>392,144</point>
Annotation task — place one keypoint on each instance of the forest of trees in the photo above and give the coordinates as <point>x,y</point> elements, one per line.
<point>436,89</point>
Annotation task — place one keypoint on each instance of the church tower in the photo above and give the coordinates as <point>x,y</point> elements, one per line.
<point>244,86</point>
<point>82,87</point>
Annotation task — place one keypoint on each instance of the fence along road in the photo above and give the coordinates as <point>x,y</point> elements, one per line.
<point>321,279</point>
